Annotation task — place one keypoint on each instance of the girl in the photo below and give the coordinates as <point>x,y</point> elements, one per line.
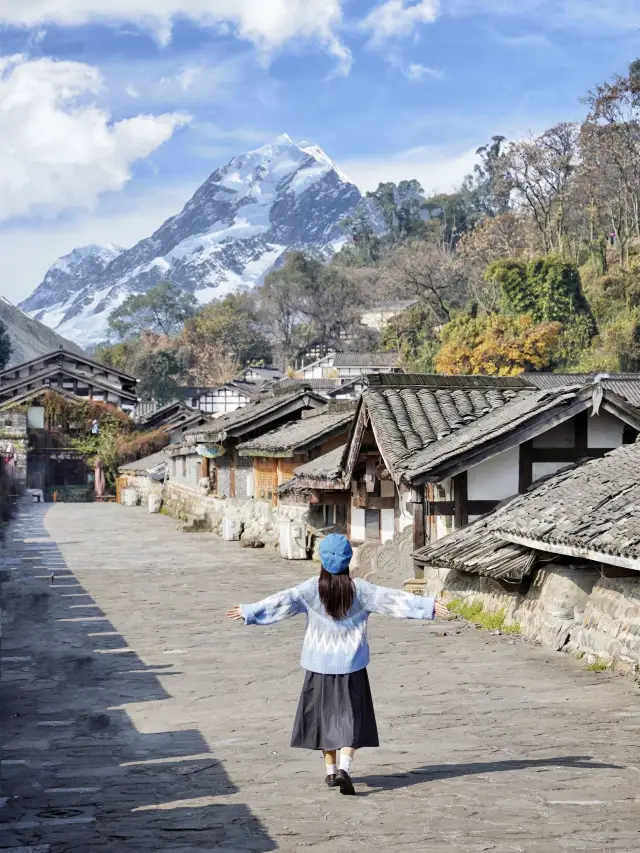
<point>335,711</point>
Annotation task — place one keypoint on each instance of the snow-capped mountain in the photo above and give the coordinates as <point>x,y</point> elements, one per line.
<point>232,232</point>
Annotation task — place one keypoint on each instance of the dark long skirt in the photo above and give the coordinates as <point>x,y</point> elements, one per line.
<point>335,711</point>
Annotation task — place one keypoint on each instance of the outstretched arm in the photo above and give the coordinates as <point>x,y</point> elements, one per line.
<point>394,602</point>
<point>277,607</point>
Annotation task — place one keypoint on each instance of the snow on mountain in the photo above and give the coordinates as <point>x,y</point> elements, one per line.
<point>231,233</point>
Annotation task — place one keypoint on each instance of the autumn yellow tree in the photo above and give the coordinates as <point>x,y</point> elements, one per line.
<point>497,345</point>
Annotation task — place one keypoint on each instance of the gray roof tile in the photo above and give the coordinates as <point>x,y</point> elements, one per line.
<point>594,509</point>
<point>298,434</point>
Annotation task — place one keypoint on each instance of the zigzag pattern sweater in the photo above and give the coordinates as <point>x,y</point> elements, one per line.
<point>337,646</point>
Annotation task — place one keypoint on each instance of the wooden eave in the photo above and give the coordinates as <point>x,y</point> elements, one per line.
<point>64,371</point>
<point>71,355</point>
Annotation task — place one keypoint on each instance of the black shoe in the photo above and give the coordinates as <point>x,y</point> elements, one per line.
<point>331,781</point>
<point>343,780</point>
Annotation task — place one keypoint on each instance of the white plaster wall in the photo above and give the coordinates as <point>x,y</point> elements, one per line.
<point>406,513</point>
<point>357,524</point>
<point>605,430</point>
<point>443,526</point>
<point>387,524</point>
<point>544,469</point>
<point>35,417</point>
<point>496,478</point>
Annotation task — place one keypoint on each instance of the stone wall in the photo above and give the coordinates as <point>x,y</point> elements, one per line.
<point>13,436</point>
<point>576,610</point>
<point>144,487</point>
<point>259,520</point>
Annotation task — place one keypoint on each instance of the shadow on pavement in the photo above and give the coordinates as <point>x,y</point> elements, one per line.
<point>437,772</point>
<point>77,774</point>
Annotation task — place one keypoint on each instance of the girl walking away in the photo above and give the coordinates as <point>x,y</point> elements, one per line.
<point>335,711</point>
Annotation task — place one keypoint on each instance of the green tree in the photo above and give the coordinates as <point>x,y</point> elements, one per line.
<point>163,308</point>
<point>548,288</point>
<point>233,326</point>
<point>161,373</point>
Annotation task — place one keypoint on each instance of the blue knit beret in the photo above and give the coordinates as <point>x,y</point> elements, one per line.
<point>335,553</point>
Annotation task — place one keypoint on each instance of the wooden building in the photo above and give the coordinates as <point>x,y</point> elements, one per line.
<point>347,365</point>
<point>276,454</point>
<point>69,373</point>
<point>563,560</point>
<point>433,453</point>
<point>51,463</point>
<point>210,451</point>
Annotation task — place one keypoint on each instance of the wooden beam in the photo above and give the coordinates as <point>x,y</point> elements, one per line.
<point>372,502</point>
<point>333,498</point>
<point>461,496</point>
<point>419,540</point>
<point>448,508</point>
<point>572,551</point>
<point>525,467</point>
<point>581,423</point>
<point>568,454</point>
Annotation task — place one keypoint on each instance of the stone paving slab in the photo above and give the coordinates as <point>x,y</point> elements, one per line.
<point>164,727</point>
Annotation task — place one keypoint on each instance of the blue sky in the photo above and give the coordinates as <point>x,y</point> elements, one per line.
<point>110,119</point>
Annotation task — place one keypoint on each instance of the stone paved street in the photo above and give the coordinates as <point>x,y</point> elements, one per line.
<point>136,718</point>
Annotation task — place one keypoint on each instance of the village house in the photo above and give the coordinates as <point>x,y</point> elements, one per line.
<point>562,562</point>
<point>278,453</point>
<point>40,453</point>
<point>429,454</point>
<point>383,313</point>
<point>346,365</point>
<point>70,373</point>
<point>208,479</point>
<point>224,398</point>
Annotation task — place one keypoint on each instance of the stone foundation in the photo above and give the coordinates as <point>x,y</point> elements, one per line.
<point>259,520</point>
<point>565,608</point>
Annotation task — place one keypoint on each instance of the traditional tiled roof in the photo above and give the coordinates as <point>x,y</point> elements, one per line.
<point>146,464</point>
<point>298,436</point>
<point>240,421</point>
<point>289,384</point>
<point>627,385</point>
<point>592,512</point>
<point>416,428</point>
<point>437,381</point>
<point>57,372</point>
<point>366,359</point>
<point>322,473</point>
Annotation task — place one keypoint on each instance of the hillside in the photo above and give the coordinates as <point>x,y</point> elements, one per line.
<point>29,338</point>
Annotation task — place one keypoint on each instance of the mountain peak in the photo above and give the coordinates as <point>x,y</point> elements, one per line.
<point>236,227</point>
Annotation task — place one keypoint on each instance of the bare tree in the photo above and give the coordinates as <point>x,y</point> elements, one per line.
<point>610,142</point>
<point>432,273</point>
<point>540,170</point>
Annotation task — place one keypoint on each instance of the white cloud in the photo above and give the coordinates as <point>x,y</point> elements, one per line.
<point>58,148</point>
<point>268,24</point>
<point>399,18</point>
<point>436,170</point>
<point>417,72</point>
<point>27,251</point>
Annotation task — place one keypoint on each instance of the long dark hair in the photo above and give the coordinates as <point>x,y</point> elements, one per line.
<point>336,593</point>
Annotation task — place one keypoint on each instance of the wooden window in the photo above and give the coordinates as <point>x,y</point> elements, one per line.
<point>266,479</point>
